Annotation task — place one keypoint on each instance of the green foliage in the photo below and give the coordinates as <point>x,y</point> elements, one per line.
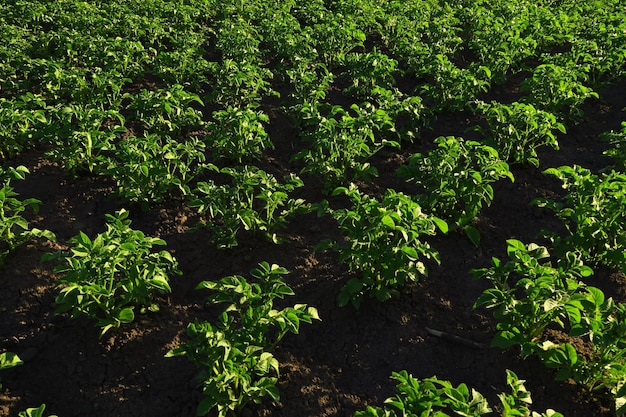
<point>516,130</point>
<point>254,200</point>
<point>237,366</point>
<point>558,89</point>
<point>368,72</point>
<point>383,243</point>
<point>342,141</point>
<point>594,213</point>
<point>34,412</point>
<point>527,295</point>
<point>239,134</point>
<point>85,138</point>
<point>14,229</point>
<point>454,179</point>
<point>166,110</point>
<point>454,88</point>
<point>108,277</point>
<point>23,122</point>
<point>617,140</point>
<point>435,397</point>
<point>9,360</point>
<point>148,168</point>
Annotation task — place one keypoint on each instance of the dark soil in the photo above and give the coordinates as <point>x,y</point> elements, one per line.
<point>333,367</point>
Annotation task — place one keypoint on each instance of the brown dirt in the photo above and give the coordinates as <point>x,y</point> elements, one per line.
<point>332,368</point>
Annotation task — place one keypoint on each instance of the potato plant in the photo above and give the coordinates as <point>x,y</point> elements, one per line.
<point>617,151</point>
<point>239,134</point>
<point>436,397</point>
<point>529,296</point>
<point>234,354</point>
<point>23,123</point>
<point>384,246</point>
<point>516,130</point>
<point>594,214</point>
<point>558,89</point>
<point>166,110</point>
<point>34,412</point>
<point>543,295</point>
<point>112,276</point>
<point>9,360</point>
<point>14,229</point>
<point>454,180</point>
<point>341,142</point>
<point>148,168</point>
<point>253,200</point>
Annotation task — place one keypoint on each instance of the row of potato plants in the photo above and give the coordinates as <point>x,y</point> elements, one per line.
<point>76,92</point>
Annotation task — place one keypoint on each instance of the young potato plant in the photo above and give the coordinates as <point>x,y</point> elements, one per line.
<point>601,324</point>
<point>86,137</point>
<point>454,89</point>
<point>529,295</point>
<point>109,277</point>
<point>168,111</point>
<point>239,134</point>
<point>516,130</point>
<point>384,245</point>
<point>455,180</point>
<point>558,89</point>
<point>237,366</point>
<point>254,200</point>
<point>368,71</point>
<point>23,122</point>
<point>435,397</point>
<point>239,83</point>
<point>9,360</point>
<point>342,141</point>
<point>148,168</point>
<point>14,229</point>
<point>617,140</point>
<point>594,213</point>
<point>34,412</point>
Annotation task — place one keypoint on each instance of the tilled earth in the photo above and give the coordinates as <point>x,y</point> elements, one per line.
<point>333,367</point>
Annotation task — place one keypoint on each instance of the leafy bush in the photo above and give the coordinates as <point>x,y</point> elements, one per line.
<point>85,137</point>
<point>341,142</point>
<point>529,297</point>
<point>148,168</point>
<point>237,366</point>
<point>23,122</point>
<point>618,150</point>
<point>594,213</point>
<point>254,200</point>
<point>108,277</point>
<point>239,134</point>
<point>166,110</point>
<point>516,130</point>
<point>434,397</point>
<point>14,229</point>
<point>558,89</point>
<point>383,243</point>
<point>455,179</point>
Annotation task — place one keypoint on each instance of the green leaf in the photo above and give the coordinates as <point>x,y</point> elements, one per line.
<point>9,360</point>
<point>473,234</point>
<point>504,340</point>
<point>127,315</point>
<point>388,221</point>
<point>441,224</point>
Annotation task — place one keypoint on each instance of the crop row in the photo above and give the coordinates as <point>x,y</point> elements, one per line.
<point>168,99</point>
